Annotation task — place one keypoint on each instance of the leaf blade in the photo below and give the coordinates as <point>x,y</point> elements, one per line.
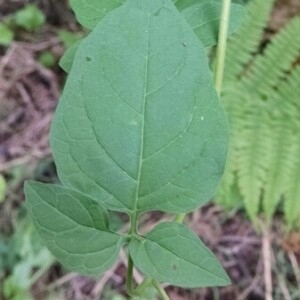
<point>66,61</point>
<point>172,253</point>
<point>90,12</point>
<point>125,146</point>
<point>73,227</point>
<point>204,18</point>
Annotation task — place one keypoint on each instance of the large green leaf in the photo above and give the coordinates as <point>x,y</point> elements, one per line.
<point>139,125</point>
<point>173,253</point>
<point>204,18</point>
<point>74,227</point>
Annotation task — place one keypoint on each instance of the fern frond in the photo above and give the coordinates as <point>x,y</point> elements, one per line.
<point>246,40</point>
<point>289,101</point>
<point>228,194</point>
<point>277,175</point>
<point>252,157</point>
<point>288,92</point>
<point>268,68</point>
<point>262,99</point>
<point>292,191</point>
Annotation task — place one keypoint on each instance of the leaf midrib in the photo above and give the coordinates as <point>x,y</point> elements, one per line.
<point>137,193</point>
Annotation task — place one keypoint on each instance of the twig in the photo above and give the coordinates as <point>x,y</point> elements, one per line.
<point>266,252</point>
<point>22,160</point>
<point>97,290</point>
<point>6,58</point>
<point>61,281</point>
<point>254,283</point>
<point>295,267</point>
<point>42,45</point>
<point>284,289</point>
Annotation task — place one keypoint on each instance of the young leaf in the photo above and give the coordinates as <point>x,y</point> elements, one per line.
<point>73,227</point>
<point>90,12</point>
<point>30,17</point>
<point>204,18</point>
<point>3,188</point>
<point>172,253</point>
<point>66,61</point>
<point>6,35</point>
<point>139,126</point>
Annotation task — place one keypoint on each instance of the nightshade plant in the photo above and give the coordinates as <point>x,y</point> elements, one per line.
<point>139,128</point>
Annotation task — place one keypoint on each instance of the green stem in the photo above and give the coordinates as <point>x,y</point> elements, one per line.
<point>222,45</point>
<point>142,287</point>
<point>179,218</point>
<point>161,291</point>
<point>129,277</point>
<point>129,281</point>
<point>133,226</point>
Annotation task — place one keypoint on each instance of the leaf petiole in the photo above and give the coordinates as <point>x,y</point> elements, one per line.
<point>161,291</point>
<point>222,45</point>
<point>138,291</point>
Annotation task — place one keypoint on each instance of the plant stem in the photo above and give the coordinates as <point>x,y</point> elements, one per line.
<point>222,45</point>
<point>129,281</point>
<point>179,218</point>
<point>161,291</point>
<point>142,287</point>
<point>129,277</point>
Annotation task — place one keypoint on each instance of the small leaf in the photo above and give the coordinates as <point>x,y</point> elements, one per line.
<point>139,126</point>
<point>3,187</point>
<point>73,227</point>
<point>204,18</point>
<point>69,38</point>
<point>30,17</point>
<point>173,253</point>
<point>6,35</point>
<point>47,59</point>
<point>90,12</point>
<point>66,61</point>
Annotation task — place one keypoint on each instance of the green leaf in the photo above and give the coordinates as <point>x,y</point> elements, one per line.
<point>66,61</point>
<point>202,15</point>
<point>90,12</point>
<point>47,59</point>
<point>172,253</point>
<point>3,188</point>
<point>6,35</point>
<point>30,17</point>
<point>69,38</point>
<point>74,227</point>
<point>139,126</point>
<point>204,18</point>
